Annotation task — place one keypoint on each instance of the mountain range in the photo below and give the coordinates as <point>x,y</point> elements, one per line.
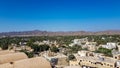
<point>59,33</point>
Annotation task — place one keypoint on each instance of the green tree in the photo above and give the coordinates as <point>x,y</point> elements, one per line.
<point>29,54</point>
<point>107,52</point>
<point>4,43</point>
<point>71,57</point>
<point>54,49</point>
<point>40,48</point>
<point>76,48</point>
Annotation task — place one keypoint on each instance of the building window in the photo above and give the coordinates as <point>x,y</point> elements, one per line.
<point>101,64</point>
<point>111,65</point>
<point>115,57</point>
<point>104,63</point>
<point>80,60</point>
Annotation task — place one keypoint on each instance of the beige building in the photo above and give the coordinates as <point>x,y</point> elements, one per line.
<point>91,43</point>
<point>118,47</point>
<point>72,67</point>
<point>117,56</point>
<point>17,49</point>
<point>97,62</point>
<point>74,63</point>
<point>85,53</point>
<point>57,59</point>
<point>91,46</point>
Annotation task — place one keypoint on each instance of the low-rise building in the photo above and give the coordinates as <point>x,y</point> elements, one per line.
<point>74,63</point>
<point>19,48</point>
<point>116,56</point>
<point>56,59</point>
<point>82,53</point>
<point>79,41</point>
<point>97,60</point>
<point>91,46</point>
<point>118,46</point>
<point>72,67</point>
<point>110,45</point>
<point>85,53</point>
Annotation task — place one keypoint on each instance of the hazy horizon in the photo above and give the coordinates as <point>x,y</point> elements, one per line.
<point>61,31</point>
<point>59,15</point>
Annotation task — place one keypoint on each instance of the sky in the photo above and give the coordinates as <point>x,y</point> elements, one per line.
<point>59,15</point>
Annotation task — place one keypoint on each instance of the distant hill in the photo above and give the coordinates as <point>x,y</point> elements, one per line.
<point>70,33</point>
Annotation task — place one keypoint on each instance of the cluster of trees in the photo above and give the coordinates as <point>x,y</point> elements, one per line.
<point>54,49</point>
<point>40,48</point>
<point>4,43</point>
<point>29,54</point>
<point>107,52</point>
<point>75,48</point>
<point>100,39</point>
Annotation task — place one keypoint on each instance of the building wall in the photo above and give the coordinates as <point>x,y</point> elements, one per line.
<point>96,64</point>
<point>74,63</point>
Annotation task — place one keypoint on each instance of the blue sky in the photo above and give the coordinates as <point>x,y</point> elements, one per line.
<point>59,15</point>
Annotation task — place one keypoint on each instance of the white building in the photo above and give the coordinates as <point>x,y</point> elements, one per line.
<point>91,43</point>
<point>72,44</point>
<point>82,53</point>
<point>110,45</point>
<point>118,64</point>
<point>79,41</point>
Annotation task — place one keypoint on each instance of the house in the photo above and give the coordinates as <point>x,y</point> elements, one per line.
<point>97,62</point>
<point>74,63</point>
<point>118,64</point>
<point>91,46</point>
<point>79,41</point>
<point>110,45</point>
<point>82,53</point>
<point>19,48</point>
<point>116,56</point>
<point>85,53</point>
<point>118,46</point>
<point>56,59</point>
<point>72,67</point>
